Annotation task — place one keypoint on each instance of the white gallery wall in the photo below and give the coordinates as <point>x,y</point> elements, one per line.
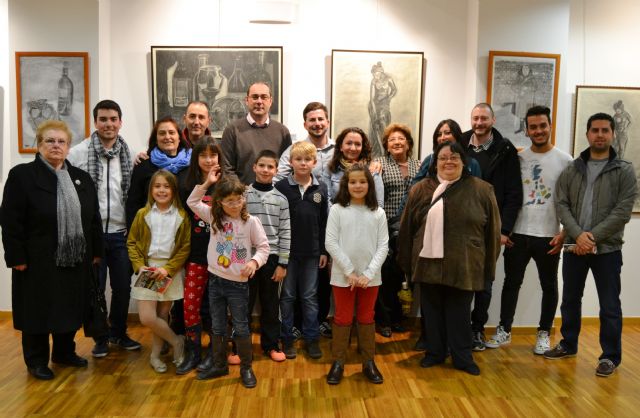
<point>455,36</point>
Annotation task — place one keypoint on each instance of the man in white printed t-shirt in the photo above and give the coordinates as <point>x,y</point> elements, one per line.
<point>536,233</point>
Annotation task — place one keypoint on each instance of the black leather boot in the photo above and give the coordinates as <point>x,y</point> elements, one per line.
<point>245,351</point>
<point>219,365</point>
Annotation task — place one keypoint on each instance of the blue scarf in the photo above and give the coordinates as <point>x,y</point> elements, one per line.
<point>173,164</point>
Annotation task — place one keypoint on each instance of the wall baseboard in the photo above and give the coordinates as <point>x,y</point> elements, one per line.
<point>414,323</point>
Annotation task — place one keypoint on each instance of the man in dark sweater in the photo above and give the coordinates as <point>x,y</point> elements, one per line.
<point>500,166</point>
<point>243,139</point>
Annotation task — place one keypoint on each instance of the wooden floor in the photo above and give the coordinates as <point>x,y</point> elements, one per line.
<point>513,382</point>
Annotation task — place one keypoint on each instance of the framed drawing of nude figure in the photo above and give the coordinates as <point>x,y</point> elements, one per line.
<point>371,89</point>
<point>623,104</point>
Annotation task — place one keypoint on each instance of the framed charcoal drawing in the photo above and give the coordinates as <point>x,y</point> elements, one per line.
<point>371,89</point>
<point>51,85</point>
<point>623,104</point>
<point>219,76</point>
<point>518,81</point>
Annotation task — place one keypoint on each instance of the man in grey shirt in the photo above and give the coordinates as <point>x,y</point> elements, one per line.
<point>594,199</point>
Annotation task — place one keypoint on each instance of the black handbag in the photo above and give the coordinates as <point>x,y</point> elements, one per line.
<point>95,322</point>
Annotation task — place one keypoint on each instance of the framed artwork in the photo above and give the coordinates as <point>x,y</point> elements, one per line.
<point>51,85</point>
<point>518,81</point>
<point>623,104</point>
<point>219,76</point>
<point>371,89</point>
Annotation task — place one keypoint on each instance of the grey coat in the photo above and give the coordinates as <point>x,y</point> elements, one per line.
<point>614,193</point>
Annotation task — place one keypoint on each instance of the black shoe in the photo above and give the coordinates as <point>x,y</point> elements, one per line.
<point>385,332</point>
<point>472,369</point>
<point>101,349</point>
<point>41,372</point>
<point>290,351</point>
<point>427,362</point>
<point>335,374</point>
<point>313,349</point>
<point>206,363</point>
<point>72,360</point>
<point>478,341</point>
<point>190,362</point>
<point>248,378</point>
<point>371,372</point>
<point>125,343</point>
<point>212,372</point>
<point>325,329</point>
<point>398,328</point>
<point>421,345</point>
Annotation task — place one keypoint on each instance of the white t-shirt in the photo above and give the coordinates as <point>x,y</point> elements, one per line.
<point>540,171</point>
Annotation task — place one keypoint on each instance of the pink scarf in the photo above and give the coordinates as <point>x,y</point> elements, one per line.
<point>433,239</point>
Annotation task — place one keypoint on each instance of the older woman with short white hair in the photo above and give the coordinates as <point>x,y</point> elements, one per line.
<point>51,232</point>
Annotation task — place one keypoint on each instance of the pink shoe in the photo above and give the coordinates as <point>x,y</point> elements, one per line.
<point>233,359</point>
<point>277,355</point>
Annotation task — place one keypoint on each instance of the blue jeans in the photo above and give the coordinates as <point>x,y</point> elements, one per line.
<point>225,293</point>
<point>606,272</point>
<point>116,261</point>
<point>516,258</point>
<point>302,281</point>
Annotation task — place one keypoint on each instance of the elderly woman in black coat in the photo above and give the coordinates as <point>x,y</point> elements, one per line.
<point>51,235</point>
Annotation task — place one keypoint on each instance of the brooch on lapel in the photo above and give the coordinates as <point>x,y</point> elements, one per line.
<point>77,182</point>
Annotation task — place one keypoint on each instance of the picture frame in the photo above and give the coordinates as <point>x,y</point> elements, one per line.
<point>623,104</point>
<point>220,76</point>
<point>516,82</point>
<point>370,89</point>
<point>51,85</point>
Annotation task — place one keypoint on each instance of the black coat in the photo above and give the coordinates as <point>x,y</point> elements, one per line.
<point>46,298</point>
<point>504,175</point>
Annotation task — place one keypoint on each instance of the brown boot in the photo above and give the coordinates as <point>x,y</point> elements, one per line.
<point>367,345</point>
<point>339,345</point>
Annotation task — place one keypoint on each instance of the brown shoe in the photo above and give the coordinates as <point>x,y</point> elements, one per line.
<point>605,368</point>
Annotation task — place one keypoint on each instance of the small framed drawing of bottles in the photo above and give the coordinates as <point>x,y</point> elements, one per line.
<point>51,85</point>
<point>218,76</point>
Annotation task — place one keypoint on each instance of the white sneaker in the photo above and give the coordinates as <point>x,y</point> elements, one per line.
<point>543,343</point>
<point>501,337</point>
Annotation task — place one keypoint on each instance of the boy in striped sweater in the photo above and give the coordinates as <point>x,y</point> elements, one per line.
<point>272,208</point>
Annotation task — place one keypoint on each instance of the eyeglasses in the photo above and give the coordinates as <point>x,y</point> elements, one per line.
<point>54,141</point>
<point>453,158</point>
<point>233,203</point>
<point>264,97</point>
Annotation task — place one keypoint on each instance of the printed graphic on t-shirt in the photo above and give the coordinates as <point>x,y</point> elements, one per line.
<point>537,192</point>
<point>200,224</point>
<point>228,251</point>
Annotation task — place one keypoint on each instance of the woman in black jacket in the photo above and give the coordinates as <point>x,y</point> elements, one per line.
<point>51,232</point>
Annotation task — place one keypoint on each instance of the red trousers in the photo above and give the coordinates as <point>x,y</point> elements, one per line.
<point>195,281</point>
<point>364,300</point>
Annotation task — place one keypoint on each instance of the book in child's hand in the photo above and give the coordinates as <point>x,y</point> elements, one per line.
<point>157,285</point>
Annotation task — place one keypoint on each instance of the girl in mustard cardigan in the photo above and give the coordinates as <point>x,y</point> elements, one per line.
<point>158,245</point>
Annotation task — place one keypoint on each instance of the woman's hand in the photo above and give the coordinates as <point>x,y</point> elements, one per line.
<point>20,267</point>
<point>249,269</point>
